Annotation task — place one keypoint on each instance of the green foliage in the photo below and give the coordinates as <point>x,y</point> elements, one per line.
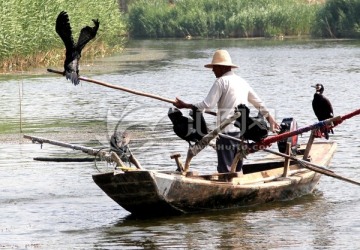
<point>28,26</point>
<point>338,18</point>
<point>220,18</point>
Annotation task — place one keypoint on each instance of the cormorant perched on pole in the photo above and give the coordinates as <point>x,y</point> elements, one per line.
<point>73,50</point>
<point>322,108</point>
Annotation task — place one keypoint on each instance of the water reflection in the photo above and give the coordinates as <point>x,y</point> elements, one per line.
<point>247,228</point>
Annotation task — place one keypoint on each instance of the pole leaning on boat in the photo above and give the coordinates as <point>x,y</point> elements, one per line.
<point>90,151</point>
<point>195,149</point>
<point>314,167</point>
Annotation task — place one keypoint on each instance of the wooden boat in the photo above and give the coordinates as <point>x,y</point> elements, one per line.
<point>156,193</point>
<point>153,193</point>
<point>274,178</point>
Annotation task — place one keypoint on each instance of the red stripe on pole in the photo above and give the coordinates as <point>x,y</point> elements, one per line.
<point>335,120</point>
<point>350,115</point>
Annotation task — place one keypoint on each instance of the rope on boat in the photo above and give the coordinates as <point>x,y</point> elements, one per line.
<point>98,155</point>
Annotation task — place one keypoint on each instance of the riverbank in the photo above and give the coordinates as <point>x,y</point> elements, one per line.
<point>28,36</point>
<point>39,46</point>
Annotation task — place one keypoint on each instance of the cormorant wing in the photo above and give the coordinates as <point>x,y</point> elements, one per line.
<point>63,29</point>
<point>322,107</point>
<point>86,34</point>
<point>327,103</point>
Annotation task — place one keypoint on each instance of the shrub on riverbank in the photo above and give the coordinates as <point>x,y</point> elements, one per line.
<point>27,30</point>
<point>338,19</point>
<point>214,18</point>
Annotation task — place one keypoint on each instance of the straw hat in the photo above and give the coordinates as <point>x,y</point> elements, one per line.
<point>222,58</point>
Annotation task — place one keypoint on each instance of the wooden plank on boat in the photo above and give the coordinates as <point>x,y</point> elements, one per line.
<point>287,160</point>
<point>179,164</point>
<point>315,167</point>
<point>309,145</point>
<point>262,165</point>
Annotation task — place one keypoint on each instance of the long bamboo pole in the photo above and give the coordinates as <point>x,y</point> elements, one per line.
<point>90,151</point>
<point>117,87</point>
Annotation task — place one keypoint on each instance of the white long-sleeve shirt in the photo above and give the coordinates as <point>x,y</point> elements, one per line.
<point>227,92</point>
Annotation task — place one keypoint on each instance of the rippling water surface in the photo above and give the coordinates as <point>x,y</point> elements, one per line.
<point>47,205</point>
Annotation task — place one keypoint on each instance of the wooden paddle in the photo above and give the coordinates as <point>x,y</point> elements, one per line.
<point>314,167</point>
<point>305,164</point>
<point>117,87</point>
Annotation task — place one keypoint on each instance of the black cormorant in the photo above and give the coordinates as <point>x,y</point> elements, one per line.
<point>189,129</point>
<point>73,50</point>
<point>322,108</point>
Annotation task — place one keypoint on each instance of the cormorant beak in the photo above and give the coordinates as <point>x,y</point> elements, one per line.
<point>316,87</point>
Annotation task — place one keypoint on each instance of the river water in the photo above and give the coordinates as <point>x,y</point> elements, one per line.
<point>49,205</point>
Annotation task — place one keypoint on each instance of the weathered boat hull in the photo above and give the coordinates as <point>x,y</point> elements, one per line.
<point>162,193</point>
<point>135,191</point>
<point>152,193</point>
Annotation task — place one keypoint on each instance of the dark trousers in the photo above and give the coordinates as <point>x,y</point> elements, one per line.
<point>226,150</point>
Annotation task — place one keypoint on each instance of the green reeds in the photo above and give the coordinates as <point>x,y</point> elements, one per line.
<point>338,19</point>
<point>215,18</point>
<point>27,30</point>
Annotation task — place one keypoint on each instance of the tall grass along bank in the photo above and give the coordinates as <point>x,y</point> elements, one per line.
<point>214,18</point>
<point>338,19</point>
<point>28,37</point>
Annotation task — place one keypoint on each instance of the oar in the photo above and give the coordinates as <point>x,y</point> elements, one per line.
<point>314,167</point>
<point>135,92</point>
<point>306,164</point>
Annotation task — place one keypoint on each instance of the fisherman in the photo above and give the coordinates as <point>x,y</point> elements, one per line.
<point>228,91</point>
